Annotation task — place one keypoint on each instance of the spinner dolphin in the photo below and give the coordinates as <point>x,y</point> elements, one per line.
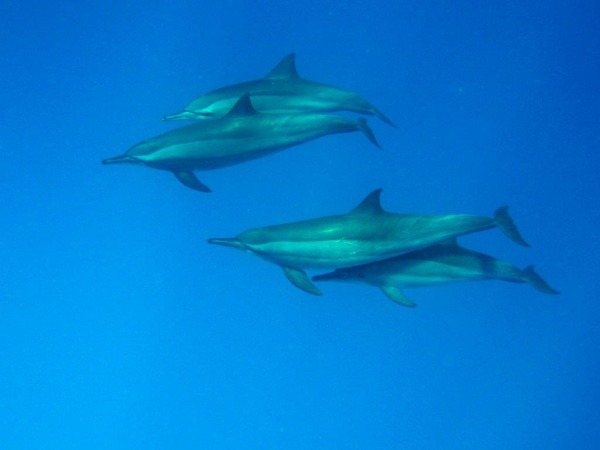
<point>442,263</point>
<point>365,234</point>
<point>241,135</point>
<point>281,91</point>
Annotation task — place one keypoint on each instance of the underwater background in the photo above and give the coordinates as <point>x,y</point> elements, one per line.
<point>120,327</point>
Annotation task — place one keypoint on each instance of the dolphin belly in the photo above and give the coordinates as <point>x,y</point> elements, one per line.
<point>423,273</point>
<point>206,155</point>
<point>323,254</point>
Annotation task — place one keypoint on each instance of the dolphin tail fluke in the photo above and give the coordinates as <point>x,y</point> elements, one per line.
<point>299,279</point>
<point>364,127</point>
<point>123,159</point>
<point>190,180</point>
<point>534,279</point>
<point>508,227</point>
<point>383,117</point>
<point>395,294</point>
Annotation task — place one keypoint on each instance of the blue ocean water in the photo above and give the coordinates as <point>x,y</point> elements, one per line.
<point>120,327</point>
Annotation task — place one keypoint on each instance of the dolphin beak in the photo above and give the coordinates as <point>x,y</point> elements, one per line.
<point>228,242</point>
<point>123,159</point>
<point>178,116</point>
<point>185,115</point>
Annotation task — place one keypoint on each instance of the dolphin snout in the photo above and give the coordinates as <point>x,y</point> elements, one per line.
<point>228,242</point>
<point>123,159</point>
<point>187,115</point>
<point>176,116</point>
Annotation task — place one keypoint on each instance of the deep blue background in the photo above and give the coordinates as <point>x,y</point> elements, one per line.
<point>121,328</point>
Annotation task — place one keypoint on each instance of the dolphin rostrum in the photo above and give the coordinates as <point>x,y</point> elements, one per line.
<point>442,263</point>
<point>242,134</point>
<point>365,234</point>
<point>281,91</point>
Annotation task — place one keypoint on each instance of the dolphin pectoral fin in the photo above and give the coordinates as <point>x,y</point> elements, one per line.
<point>300,280</point>
<point>396,295</point>
<point>366,130</point>
<point>508,227</point>
<point>190,180</point>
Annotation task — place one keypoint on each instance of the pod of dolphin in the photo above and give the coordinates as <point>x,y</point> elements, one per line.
<point>391,251</point>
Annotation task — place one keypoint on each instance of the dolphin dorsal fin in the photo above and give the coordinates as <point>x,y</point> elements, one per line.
<point>243,107</point>
<point>286,69</point>
<point>370,205</point>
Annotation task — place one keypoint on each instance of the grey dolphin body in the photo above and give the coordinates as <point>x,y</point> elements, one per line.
<point>365,234</point>
<point>281,91</point>
<point>442,263</point>
<point>240,135</point>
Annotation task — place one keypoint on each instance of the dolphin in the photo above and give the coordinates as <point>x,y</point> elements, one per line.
<point>442,263</point>
<point>281,91</point>
<point>365,234</point>
<point>242,134</point>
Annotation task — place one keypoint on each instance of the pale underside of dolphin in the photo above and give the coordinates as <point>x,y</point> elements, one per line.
<point>365,234</point>
<point>241,135</point>
<point>281,91</point>
<point>442,263</point>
